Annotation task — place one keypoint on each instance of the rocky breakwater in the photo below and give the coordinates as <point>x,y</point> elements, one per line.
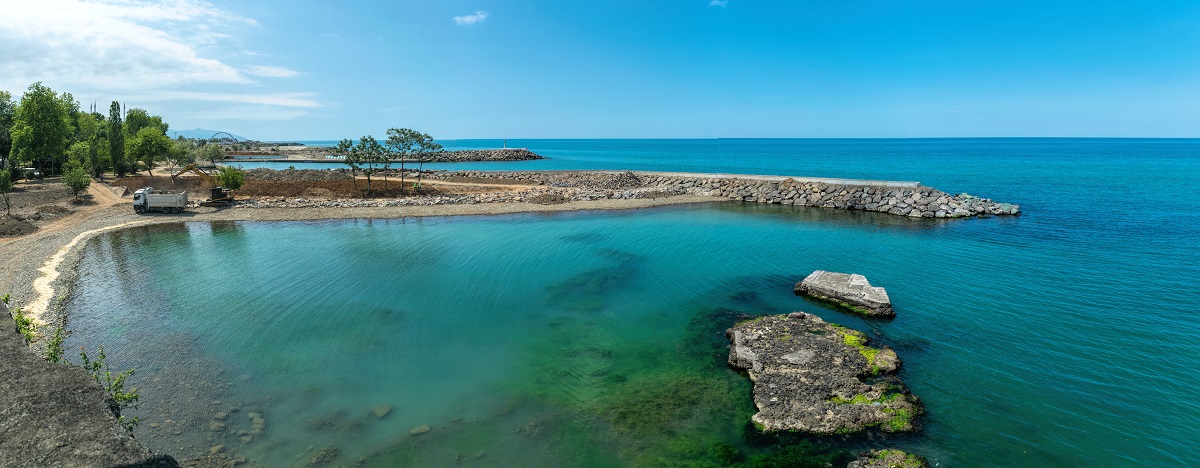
<point>848,291</point>
<point>58,415</point>
<point>507,154</point>
<point>809,376</point>
<point>897,198</point>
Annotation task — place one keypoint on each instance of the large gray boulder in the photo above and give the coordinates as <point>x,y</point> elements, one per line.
<point>849,291</point>
<point>809,376</point>
<point>57,415</point>
<point>888,458</point>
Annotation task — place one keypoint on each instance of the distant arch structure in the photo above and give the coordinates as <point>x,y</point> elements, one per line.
<point>228,138</point>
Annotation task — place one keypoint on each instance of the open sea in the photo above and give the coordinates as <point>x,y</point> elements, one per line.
<point>1067,336</point>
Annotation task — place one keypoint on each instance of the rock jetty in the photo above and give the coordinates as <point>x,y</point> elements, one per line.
<point>888,458</point>
<point>849,291</point>
<point>897,198</point>
<point>508,154</point>
<point>57,415</point>
<point>809,376</point>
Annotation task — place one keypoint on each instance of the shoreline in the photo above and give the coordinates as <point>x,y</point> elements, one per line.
<point>43,288</point>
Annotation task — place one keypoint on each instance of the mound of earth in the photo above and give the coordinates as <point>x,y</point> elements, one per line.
<point>820,378</point>
<point>12,227</point>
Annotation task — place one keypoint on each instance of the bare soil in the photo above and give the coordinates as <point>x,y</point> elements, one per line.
<point>35,201</point>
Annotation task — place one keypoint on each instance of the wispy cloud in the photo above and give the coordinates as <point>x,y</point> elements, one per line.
<point>272,72</point>
<point>115,44</point>
<point>249,113</point>
<point>269,99</point>
<point>718,3</point>
<point>471,19</point>
<point>143,51</point>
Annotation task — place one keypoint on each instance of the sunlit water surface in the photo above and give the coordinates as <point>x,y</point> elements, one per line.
<point>1059,338</point>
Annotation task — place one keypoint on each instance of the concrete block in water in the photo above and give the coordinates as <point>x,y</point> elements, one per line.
<point>850,291</point>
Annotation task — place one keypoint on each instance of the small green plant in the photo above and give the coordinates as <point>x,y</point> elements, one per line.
<point>54,349</point>
<point>114,384</point>
<point>5,298</point>
<point>25,325</point>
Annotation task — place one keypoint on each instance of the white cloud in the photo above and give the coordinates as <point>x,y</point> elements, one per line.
<point>720,3</point>
<point>471,19</point>
<point>272,72</point>
<point>115,44</point>
<point>249,113</point>
<point>270,99</point>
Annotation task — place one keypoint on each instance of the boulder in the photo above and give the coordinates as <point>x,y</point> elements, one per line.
<point>889,458</point>
<point>809,376</point>
<point>849,291</point>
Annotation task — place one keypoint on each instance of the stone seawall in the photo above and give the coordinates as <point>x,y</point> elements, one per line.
<point>509,154</point>
<point>897,198</point>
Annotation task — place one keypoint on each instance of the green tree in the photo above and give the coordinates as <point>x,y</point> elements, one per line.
<point>89,132</point>
<point>6,186</point>
<point>75,173</point>
<point>371,154</point>
<point>136,119</point>
<point>210,152</point>
<point>8,110</point>
<point>406,143</point>
<point>349,154</point>
<point>41,128</point>
<point>149,146</point>
<point>231,178</point>
<point>116,139</point>
<point>181,152</point>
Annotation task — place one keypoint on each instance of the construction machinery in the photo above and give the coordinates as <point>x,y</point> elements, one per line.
<point>218,196</point>
<point>147,199</point>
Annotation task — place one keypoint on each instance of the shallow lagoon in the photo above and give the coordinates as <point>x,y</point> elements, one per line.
<point>1064,337</point>
<point>594,338</point>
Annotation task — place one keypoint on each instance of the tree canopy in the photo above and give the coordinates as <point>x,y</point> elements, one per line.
<point>41,128</point>
<point>8,110</point>
<point>149,146</point>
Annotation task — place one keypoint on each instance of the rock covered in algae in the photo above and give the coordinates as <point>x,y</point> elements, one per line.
<point>809,376</point>
<point>889,458</point>
<point>850,291</point>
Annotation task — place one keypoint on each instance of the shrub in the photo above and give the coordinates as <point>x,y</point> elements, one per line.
<point>114,384</point>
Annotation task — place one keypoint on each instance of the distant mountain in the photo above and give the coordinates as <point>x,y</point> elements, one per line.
<point>198,133</point>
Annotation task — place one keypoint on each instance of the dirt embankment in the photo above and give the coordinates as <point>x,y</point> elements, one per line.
<point>36,202</point>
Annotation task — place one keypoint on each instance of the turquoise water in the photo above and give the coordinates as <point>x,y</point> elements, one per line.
<point>1063,337</point>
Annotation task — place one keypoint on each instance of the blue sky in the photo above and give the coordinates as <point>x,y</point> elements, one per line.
<point>623,69</point>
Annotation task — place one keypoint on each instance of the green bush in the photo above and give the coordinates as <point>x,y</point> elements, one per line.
<point>54,349</point>
<point>24,325</point>
<point>114,384</point>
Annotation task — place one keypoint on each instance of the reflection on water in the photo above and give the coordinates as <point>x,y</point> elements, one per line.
<point>586,338</point>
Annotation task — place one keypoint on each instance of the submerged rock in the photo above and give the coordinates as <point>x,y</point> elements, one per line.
<point>809,376</point>
<point>889,458</point>
<point>381,411</point>
<point>850,291</point>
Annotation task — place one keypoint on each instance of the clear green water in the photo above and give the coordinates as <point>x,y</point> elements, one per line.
<point>594,338</point>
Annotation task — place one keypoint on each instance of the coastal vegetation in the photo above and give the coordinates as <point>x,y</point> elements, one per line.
<point>370,156</point>
<point>49,132</point>
<point>6,186</point>
<point>114,384</point>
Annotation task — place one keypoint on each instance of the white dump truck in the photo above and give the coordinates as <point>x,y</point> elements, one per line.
<point>148,199</point>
